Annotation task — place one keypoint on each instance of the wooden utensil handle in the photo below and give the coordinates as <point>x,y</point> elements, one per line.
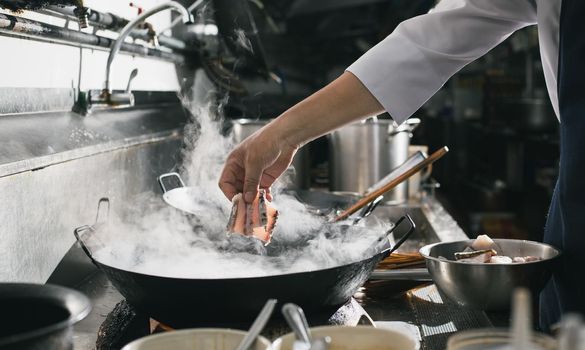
<point>390,185</point>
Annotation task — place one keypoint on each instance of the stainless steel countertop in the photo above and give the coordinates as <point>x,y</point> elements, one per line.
<point>77,272</point>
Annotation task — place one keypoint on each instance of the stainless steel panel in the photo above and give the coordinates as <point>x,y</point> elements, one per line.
<point>54,168</point>
<point>32,141</point>
<point>363,153</point>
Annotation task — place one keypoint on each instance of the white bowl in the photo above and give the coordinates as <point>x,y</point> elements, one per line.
<point>494,339</point>
<point>195,339</point>
<point>354,338</point>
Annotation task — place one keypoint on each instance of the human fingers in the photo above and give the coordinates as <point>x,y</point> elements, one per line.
<point>253,173</point>
<point>229,180</point>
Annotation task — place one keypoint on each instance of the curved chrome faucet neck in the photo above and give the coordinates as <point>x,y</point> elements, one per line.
<point>185,13</point>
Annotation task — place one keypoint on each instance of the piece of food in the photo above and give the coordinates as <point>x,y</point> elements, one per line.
<point>483,242</point>
<point>237,220</point>
<point>485,254</point>
<point>518,259</point>
<point>485,250</point>
<point>257,219</point>
<point>500,259</point>
<point>481,258</point>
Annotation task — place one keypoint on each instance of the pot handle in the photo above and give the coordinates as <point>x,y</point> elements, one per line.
<point>412,225</point>
<point>408,126</point>
<point>80,231</point>
<point>161,179</point>
<point>102,203</point>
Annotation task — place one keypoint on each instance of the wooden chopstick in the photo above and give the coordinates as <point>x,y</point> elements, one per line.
<point>400,261</point>
<point>390,185</point>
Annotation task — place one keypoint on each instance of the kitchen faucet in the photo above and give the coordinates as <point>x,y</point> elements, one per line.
<point>106,97</point>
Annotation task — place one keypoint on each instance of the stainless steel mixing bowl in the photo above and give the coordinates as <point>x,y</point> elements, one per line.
<point>489,286</point>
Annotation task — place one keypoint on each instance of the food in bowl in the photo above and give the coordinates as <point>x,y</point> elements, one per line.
<point>485,250</point>
<point>489,286</point>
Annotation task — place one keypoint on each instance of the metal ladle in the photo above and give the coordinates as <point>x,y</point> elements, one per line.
<point>295,317</point>
<point>258,325</point>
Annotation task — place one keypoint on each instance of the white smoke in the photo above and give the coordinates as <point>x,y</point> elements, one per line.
<point>156,239</point>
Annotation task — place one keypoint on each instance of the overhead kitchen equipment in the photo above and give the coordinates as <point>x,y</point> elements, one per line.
<point>178,301</point>
<point>80,11</point>
<point>363,153</point>
<point>20,27</point>
<point>238,29</point>
<point>106,97</point>
<point>36,316</point>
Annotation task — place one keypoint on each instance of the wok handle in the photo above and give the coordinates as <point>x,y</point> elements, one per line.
<point>104,202</point>
<point>409,220</point>
<point>103,205</point>
<point>161,182</point>
<point>78,233</point>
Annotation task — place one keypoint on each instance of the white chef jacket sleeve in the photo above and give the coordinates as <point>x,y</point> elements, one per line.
<point>405,69</point>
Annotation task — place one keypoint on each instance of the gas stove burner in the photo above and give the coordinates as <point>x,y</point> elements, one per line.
<point>125,324</point>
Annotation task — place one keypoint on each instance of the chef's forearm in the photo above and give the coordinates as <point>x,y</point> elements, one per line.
<point>343,101</point>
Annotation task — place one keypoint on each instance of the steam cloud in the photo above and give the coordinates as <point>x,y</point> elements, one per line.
<point>154,238</point>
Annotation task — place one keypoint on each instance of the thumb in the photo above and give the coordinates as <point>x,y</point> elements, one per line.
<point>252,181</point>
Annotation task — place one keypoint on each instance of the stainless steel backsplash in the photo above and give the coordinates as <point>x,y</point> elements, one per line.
<point>54,167</point>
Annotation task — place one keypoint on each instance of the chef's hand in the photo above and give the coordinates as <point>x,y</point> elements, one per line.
<point>264,156</point>
<point>256,163</point>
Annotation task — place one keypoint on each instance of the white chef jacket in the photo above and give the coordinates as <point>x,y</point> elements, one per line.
<point>405,69</point>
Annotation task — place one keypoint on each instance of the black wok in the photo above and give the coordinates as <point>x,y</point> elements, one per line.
<point>36,316</point>
<point>184,302</point>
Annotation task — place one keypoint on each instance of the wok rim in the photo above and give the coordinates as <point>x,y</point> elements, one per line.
<point>425,252</point>
<point>235,279</point>
<point>380,255</point>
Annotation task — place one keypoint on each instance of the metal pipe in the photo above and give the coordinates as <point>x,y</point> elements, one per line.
<point>176,21</point>
<point>21,27</point>
<point>187,17</point>
<point>106,20</point>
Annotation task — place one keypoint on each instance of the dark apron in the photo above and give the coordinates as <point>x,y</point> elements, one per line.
<point>565,227</point>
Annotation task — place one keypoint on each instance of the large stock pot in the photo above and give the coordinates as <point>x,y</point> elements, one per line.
<point>362,153</point>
